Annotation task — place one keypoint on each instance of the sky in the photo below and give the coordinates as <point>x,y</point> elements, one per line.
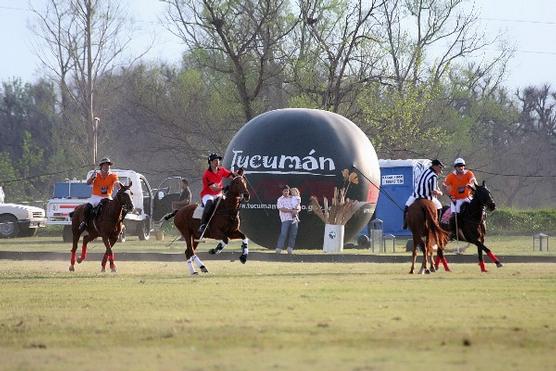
<point>527,26</point>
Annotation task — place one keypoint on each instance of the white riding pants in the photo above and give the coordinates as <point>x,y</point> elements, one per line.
<point>209,197</point>
<point>456,206</point>
<point>95,200</point>
<point>412,199</point>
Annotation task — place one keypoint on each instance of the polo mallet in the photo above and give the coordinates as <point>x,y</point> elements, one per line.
<point>457,229</point>
<point>174,240</point>
<point>208,223</point>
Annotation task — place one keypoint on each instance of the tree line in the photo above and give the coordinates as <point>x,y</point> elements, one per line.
<point>403,71</point>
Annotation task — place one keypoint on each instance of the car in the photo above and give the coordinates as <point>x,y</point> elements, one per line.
<point>19,220</point>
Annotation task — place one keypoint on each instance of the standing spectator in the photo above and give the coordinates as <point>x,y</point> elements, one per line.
<point>185,195</point>
<point>287,212</point>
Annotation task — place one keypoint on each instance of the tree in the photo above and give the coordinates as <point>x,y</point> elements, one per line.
<point>236,39</point>
<point>426,38</point>
<point>84,41</point>
<point>336,53</point>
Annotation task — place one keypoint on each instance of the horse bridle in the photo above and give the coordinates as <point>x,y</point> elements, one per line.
<point>242,195</point>
<point>127,207</point>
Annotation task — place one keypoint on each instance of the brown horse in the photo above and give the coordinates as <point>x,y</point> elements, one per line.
<point>471,222</point>
<point>107,224</point>
<point>422,220</point>
<point>223,226</point>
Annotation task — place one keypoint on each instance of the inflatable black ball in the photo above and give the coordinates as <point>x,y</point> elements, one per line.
<point>307,149</point>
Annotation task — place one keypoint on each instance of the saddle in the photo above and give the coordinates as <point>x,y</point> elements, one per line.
<point>97,210</point>
<point>198,212</point>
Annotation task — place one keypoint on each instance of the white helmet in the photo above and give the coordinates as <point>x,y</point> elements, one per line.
<point>459,161</point>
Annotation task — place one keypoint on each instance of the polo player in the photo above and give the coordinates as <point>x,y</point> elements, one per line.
<point>212,187</point>
<point>103,182</point>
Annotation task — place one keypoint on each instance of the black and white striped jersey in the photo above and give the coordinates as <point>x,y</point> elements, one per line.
<point>426,184</point>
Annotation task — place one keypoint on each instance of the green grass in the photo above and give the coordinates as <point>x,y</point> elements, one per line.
<point>276,316</point>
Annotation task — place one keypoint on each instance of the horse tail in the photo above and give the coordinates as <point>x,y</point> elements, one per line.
<point>170,215</point>
<point>441,236</point>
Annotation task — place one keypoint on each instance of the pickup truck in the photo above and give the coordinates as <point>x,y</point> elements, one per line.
<point>19,220</point>
<point>149,204</point>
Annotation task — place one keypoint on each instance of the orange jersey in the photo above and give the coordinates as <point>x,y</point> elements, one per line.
<point>103,186</point>
<point>457,184</point>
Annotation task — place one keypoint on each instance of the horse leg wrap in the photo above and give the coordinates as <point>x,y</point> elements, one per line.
<point>197,261</point>
<point>445,264</point>
<point>244,248</point>
<point>482,265</point>
<point>436,261</point>
<point>492,257</point>
<point>221,245</point>
<point>73,258</point>
<point>190,266</point>
<point>83,253</point>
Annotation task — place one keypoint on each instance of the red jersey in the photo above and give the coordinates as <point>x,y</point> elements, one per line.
<point>457,184</point>
<point>210,177</point>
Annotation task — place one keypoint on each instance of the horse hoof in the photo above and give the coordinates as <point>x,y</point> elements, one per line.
<point>427,271</point>
<point>195,273</point>
<point>212,251</point>
<point>79,260</point>
<point>113,270</point>
<point>499,265</point>
<point>102,270</point>
<point>243,258</point>
<point>71,268</point>
<point>203,269</point>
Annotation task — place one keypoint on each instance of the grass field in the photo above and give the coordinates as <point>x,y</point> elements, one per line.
<point>276,316</point>
<point>501,245</point>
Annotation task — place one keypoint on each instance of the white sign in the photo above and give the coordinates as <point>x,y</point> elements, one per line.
<point>392,179</point>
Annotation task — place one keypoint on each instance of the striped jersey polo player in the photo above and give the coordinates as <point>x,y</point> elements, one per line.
<point>426,184</point>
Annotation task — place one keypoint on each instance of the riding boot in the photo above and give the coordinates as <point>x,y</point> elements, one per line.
<point>452,224</point>
<point>86,217</point>
<point>207,212</point>
<point>405,217</point>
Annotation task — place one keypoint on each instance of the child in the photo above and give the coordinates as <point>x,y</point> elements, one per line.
<point>296,203</point>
